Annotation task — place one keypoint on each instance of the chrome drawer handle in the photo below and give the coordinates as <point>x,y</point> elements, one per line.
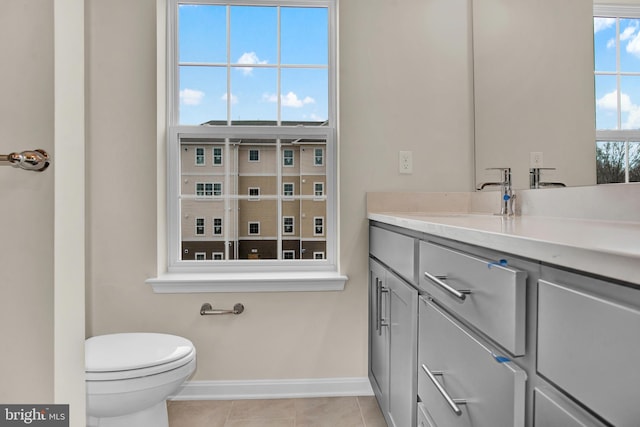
<point>438,280</point>
<point>380,321</point>
<point>453,403</point>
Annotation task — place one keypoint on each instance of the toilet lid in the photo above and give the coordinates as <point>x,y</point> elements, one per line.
<point>128,351</point>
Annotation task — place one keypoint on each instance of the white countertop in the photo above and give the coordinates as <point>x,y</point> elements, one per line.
<point>606,248</point>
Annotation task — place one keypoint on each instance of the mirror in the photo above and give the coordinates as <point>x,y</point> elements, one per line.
<point>534,90</point>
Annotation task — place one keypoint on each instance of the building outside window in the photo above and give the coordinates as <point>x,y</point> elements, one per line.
<point>254,155</point>
<point>287,225</point>
<point>318,189</point>
<point>287,158</point>
<point>204,189</point>
<point>319,157</point>
<point>254,228</point>
<point>287,189</point>
<point>617,88</point>
<point>254,193</point>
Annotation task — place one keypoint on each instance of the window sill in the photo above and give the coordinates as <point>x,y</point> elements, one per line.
<point>308,281</point>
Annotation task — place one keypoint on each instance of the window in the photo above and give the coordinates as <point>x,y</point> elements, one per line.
<point>217,227</point>
<point>245,81</point>
<point>318,189</point>
<point>254,155</point>
<point>287,158</point>
<point>199,226</point>
<point>204,189</point>
<point>617,87</point>
<point>254,228</point>
<point>287,189</point>
<point>287,225</point>
<point>200,156</point>
<point>288,254</point>
<point>217,156</point>
<point>318,226</point>
<point>254,193</point>
<point>200,256</point>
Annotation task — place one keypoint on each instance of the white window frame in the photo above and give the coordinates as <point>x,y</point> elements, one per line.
<point>200,256</point>
<point>253,197</point>
<point>178,276</point>
<point>251,151</point>
<point>198,226</point>
<point>202,156</point>
<point>315,157</point>
<point>214,226</point>
<point>292,225</point>
<point>625,136</point>
<point>315,226</point>
<point>317,196</point>
<point>287,252</point>
<point>284,158</point>
<point>214,156</point>
<point>255,223</point>
<point>284,192</point>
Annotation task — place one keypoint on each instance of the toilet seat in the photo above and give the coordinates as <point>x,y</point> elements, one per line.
<point>133,355</point>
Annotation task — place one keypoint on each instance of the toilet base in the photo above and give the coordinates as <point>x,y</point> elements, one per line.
<point>155,416</point>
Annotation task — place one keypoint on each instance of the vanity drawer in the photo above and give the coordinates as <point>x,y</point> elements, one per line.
<point>423,418</point>
<point>588,346</point>
<point>496,298</point>
<point>395,250</point>
<point>465,368</point>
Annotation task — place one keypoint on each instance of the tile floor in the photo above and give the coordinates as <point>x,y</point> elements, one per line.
<point>309,412</point>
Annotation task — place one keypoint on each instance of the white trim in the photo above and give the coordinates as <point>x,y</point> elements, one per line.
<point>273,389</point>
<point>190,283</point>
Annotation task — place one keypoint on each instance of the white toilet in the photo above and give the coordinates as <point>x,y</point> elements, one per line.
<point>129,377</point>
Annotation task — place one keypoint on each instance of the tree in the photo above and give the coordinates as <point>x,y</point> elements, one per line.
<point>611,162</point>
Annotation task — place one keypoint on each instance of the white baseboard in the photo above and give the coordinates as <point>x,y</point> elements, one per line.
<point>273,389</point>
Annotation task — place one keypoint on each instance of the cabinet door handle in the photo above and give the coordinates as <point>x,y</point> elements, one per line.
<point>380,322</point>
<point>453,403</point>
<point>438,280</point>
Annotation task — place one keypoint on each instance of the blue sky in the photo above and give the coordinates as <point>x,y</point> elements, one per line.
<point>253,58</point>
<point>606,86</point>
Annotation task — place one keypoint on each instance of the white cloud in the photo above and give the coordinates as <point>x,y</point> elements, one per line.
<point>610,102</point>
<point>633,47</point>
<point>249,58</point>
<point>191,96</point>
<point>289,100</point>
<point>600,24</point>
<point>234,98</point>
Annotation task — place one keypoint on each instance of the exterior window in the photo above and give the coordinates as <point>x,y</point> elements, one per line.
<point>254,193</point>
<point>287,158</point>
<point>617,88</point>
<point>318,157</point>
<point>200,256</point>
<point>254,228</point>
<point>244,81</point>
<point>318,255</point>
<point>199,226</point>
<point>318,189</point>
<point>204,189</point>
<point>318,229</point>
<point>200,156</point>
<point>217,256</point>
<point>254,155</point>
<point>287,225</point>
<point>217,156</point>
<point>217,227</point>
<point>287,189</point>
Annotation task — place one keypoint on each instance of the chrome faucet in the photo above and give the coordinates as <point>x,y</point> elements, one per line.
<point>534,179</point>
<point>507,196</point>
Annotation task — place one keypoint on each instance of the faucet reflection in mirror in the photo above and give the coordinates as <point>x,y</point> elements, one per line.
<point>534,179</point>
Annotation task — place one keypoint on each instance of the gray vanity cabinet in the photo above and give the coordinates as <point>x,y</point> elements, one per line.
<point>393,308</point>
<point>589,345</point>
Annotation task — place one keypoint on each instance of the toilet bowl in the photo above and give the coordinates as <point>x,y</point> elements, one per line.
<point>129,377</point>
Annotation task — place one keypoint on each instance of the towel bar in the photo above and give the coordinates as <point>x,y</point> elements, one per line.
<point>207,310</point>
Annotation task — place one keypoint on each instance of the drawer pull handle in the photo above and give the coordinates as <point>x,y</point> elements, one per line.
<point>453,403</point>
<point>438,280</point>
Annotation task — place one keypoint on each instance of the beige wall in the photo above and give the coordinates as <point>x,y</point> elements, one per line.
<point>391,99</point>
<point>26,206</point>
